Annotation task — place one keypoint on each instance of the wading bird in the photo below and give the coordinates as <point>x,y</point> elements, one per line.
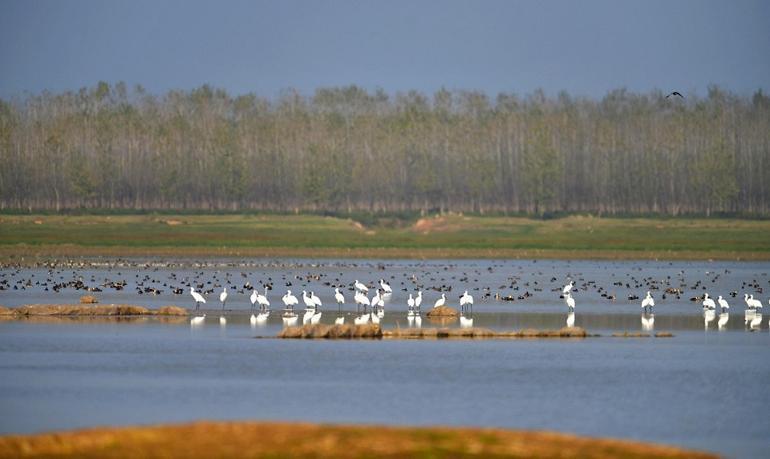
<point>466,300</point>
<point>197,297</point>
<point>440,302</point>
<point>361,287</point>
<point>708,303</point>
<point>648,303</point>
<point>385,287</point>
<point>570,302</point>
<point>567,288</point>
<point>723,306</point>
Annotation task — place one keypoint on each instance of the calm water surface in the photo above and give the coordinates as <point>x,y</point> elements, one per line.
<point>705,388</point>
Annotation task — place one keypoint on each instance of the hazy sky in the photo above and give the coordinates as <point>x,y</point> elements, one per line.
<point>584,47</point>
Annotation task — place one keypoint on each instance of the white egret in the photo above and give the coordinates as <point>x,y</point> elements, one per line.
<point>418,301</point>
<point>567,288</point>
<point>570,301</point>
<point>253,299</point>
<point>723,306</point>
<point>361,287</point>
<point>708,303</point>
<point>410,306</point>
<point>264,303</point>
<point>223,297</point>
<point>440,302</point>
<point>385,287</point>
<point>648,302</point>
<point>197,297</point>
<point>466,300</point>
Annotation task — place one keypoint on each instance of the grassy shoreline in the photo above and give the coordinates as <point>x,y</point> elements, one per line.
<point>269,439</point>
<point>42,237</point>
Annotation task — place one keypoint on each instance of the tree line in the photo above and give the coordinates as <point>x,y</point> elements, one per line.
<point>346,149</point>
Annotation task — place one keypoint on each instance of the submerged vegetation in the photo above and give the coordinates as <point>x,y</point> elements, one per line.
<point>348,149</point>
<point>439,236</point>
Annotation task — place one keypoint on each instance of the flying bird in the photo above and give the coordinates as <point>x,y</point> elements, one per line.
<point>675,93</point>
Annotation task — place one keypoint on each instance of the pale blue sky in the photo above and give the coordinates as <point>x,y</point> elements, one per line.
<point>584,47</point>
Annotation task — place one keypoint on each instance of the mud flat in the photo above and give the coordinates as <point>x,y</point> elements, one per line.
<point>267,439</point>
<point>372,331</point>
<point>87,310</point>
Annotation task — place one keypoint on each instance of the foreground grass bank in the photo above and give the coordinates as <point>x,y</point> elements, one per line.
<point>251,439</point>
<point>450,236</point>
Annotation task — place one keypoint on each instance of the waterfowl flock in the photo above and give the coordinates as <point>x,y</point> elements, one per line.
<point>391,284</point>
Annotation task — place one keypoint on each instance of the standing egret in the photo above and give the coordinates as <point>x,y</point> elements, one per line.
<point>568,288</point>
<point>197,297</point>
<point>708,303</point>
<point>440,302</point>
<point>340,298</point>
<point>361,287</point>
<point>385,287</point>
<point>316,305</point>
<point>648,302</point>
<point>723,306</point>
<point>466,300</point>
<point>253,299</point>
<point>223,297</point>
<point>418,302</point>
<point>410,306</point>
<point>289,300</point>
<point>264,303</point>
<point>570,302</point>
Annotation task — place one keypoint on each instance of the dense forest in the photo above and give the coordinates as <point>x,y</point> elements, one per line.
<point>348,149</point>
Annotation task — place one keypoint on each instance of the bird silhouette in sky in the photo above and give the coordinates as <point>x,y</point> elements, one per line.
<point>675,93</point>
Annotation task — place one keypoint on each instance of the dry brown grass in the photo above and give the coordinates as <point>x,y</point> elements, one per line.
<point>323,331</point>
<point>88,310</point>
<point>253,439</point>
<point>88,299</point>
<point>443,311</point>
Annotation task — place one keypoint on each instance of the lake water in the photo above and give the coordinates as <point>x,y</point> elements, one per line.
<point>704,388</point>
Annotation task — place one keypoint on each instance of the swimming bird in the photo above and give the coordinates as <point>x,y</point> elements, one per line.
<point>723,306</point>
<point>675,93</point>
<point>567,288</point>
<point>708,303</point>
<point>385,287</point>
<point>648,302</point>
<point>440,302</point>
<point>223,297</point>
<point>466,300</point>
<point>361,287</point>
<point>570,301</point>
<point>197,297</point>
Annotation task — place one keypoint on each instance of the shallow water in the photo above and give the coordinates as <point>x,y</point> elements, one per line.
<point>704,388</point>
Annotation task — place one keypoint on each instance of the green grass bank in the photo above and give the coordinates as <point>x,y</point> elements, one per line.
<point>34,237</point>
